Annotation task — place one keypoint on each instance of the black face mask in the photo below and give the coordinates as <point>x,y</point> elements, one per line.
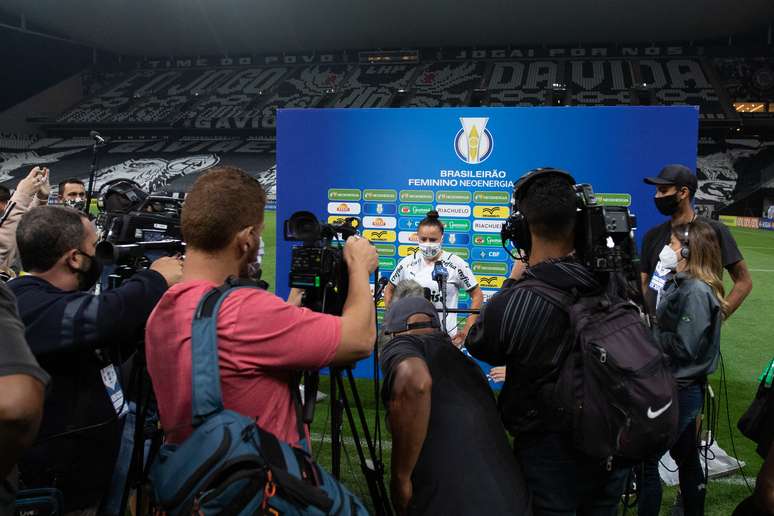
<point>89,277</point>
<point>667,205</point>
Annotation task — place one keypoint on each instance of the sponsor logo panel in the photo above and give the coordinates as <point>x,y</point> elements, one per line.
<point>492,197</point>
<point>380,195</point>
<point>491,212</point>
<point>462,252</point>
<point>408,237</point>
<point>416,196</point>
<point>455,224</point>
<point>453,210</point>
<point>415,209</point>
<point>490,281</point>
<point>343,194</point>
<point>344,208</point>
<point>453,196</point>
<point>379,222</point>
<point>385,249</point>
<point>387,263</point>
<point>489,254</point>
<point>379,235</point>
<point>486,240</point>
<point>487,226</point>
<point>456,238</point>
<point>379,208</point>
<point>405,250</point>
<point>489,267</point>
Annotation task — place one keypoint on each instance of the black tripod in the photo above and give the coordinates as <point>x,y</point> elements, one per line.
<point>340,404</point>
<point>139,468</point>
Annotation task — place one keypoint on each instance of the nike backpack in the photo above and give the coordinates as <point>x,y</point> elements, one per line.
<point>229,465</point>
<point>615,386</point>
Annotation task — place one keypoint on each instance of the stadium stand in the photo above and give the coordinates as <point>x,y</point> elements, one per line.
<point>189,105</point>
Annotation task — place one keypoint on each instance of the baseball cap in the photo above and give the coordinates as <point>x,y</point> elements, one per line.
<point>677,175</point>
<point>396,318</point>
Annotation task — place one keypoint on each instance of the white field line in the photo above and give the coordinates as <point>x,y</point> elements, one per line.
<point>317,437</point>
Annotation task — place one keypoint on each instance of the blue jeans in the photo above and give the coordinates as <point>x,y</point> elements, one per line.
<point>563,482</point>
<point>685,452</point>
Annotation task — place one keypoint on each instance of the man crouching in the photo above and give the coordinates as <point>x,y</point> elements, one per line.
<point>450,454</point>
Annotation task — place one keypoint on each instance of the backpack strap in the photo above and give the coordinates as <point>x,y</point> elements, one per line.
<point>206,396</point>
<point>557,297</point>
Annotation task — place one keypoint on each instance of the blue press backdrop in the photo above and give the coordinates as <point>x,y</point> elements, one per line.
<point>330,161</point>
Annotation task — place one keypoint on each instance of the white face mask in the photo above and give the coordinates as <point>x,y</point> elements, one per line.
<point>668,258</point>
<point>430,250</point>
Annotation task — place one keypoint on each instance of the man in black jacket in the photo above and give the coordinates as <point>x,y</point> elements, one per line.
<point>80,339</point>
<point>530,335</point>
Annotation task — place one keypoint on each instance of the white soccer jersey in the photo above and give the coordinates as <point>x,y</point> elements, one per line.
<point>414,267</point>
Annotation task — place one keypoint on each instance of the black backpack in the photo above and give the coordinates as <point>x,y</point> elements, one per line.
<point>615,386</point>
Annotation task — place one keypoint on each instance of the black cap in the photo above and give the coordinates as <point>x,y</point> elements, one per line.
<point>396,318</point>
<point>677,175</point>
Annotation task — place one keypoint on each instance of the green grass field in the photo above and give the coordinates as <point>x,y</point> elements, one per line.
<point>746,344</point>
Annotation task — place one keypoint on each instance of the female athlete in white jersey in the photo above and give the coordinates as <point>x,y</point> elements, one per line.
<point>419,267</point>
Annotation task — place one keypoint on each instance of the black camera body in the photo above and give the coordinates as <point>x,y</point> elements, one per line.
<point>134,238</point>
<point>604,235</point>
<point>317,265</point>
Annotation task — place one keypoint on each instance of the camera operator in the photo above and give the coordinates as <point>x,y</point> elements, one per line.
<point>261,339</point>
<point>525,331</point>
<point>31,191</point>
<point>80,339</point>
<point>675,189</point>
<point>72,193</point>
<point>22,383</point>
<point>443,418</point>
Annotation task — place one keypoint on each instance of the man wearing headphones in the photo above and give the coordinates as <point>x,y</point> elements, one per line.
<point>524,331</point>
<point>675,189</point>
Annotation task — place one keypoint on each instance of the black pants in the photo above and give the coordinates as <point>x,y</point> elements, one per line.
<point>685,452</point>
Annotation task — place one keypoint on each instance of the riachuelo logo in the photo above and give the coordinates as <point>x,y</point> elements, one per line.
<point>473,143</point>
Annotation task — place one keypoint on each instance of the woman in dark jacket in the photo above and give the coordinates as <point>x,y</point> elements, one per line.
<point>689,312</point>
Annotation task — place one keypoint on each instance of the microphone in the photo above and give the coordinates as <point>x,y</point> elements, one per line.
<point>440,273</point>
<point>97,137</point>
<point>380,288</point>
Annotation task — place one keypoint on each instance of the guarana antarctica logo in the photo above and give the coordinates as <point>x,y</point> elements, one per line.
<point>473,143</point>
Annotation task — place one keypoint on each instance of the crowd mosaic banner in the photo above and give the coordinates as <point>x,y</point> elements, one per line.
<point>389,167</point>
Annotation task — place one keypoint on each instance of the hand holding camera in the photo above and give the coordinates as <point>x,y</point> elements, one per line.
<point>360,253</point>
<point>171,267</point>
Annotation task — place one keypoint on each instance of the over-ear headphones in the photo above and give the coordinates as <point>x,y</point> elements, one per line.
<point>516,228</point>
<point>685,250</point>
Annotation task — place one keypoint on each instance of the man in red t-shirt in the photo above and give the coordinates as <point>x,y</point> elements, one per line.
<point>261,339</point>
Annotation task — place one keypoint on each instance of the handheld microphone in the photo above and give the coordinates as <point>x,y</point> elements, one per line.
<point>440,273</point>
<point>97,137</point>
<point>380,288</point>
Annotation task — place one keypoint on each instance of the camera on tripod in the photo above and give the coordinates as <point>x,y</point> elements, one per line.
<point>604,235</point>
<point>137,228</point>
<point>317,265</point>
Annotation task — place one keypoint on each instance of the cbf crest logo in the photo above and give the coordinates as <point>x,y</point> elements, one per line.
<point>473,142</point>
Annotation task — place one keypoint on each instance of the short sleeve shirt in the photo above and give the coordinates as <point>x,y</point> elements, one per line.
<point>261,341</point>
<point>659,236</point>
<point>415,267</point>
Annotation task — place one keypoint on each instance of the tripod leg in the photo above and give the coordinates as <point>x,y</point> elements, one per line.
<point>336,420</point>
<point>373,475</point>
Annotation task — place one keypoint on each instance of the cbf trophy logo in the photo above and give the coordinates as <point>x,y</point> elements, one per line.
<point>473,142</point>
